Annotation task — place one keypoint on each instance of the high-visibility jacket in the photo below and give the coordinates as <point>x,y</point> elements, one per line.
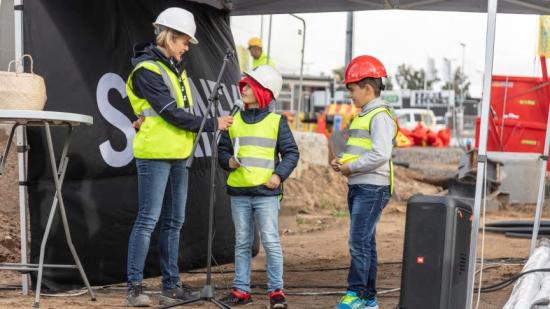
<point>360,142</point>
<point>254,146</point>
<point>263,60</point>
<point>156,138</point>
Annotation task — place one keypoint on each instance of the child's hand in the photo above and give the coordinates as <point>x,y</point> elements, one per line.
<point>233,164</point>
<point>335,164</point>
<point>273,182</point>
<point>344,169</point>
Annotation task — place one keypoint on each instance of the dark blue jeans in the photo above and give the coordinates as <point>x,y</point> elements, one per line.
<point>365,203</point>
<point>162,193</point>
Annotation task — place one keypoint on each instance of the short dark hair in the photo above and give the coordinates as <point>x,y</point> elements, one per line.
<point>375,83</point>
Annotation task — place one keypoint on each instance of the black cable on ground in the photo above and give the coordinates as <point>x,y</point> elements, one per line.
<point>507,282</point>
<point>321,269</point>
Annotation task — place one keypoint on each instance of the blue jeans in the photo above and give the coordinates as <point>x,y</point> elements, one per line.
<point>365,203</point>
<point>162,193</point>
<point>265,209</point>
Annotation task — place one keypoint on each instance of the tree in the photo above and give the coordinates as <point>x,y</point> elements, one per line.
<point>461,85</point>
<point>408,77</point>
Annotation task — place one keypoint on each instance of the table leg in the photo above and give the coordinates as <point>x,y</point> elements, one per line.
<point>4,157</point>
<point>58,176</point>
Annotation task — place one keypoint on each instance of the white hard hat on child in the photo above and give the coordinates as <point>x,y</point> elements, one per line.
<point>178,19</point>
<point>268,77</point>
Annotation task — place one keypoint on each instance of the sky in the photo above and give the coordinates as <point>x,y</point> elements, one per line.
<point>396,37</point>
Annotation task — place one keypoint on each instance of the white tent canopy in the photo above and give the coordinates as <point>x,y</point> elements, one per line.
<point>255,7</point>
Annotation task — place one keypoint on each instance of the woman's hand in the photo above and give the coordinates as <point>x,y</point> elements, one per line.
<point>137,124</point>
<point>233,163</point>
<point>225,122</point>
<point>273,182</point>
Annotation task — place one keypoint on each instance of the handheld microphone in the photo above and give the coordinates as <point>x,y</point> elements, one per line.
<point>237,106</point>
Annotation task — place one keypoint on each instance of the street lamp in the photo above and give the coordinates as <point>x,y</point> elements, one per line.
<point>463,74</point>
<point>301,69</point>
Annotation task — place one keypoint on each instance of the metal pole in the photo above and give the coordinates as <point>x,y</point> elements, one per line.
<point>269,38</point>
<point>349,38</point>
<point>462,96</point>
<point>21,149</point>
<point>540,196</point>
<point>262,28</point>
<point>300,92</point>
<point>543,164</point>
<point>482,155</point>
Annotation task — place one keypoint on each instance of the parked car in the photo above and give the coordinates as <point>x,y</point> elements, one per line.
<point>409,118</point>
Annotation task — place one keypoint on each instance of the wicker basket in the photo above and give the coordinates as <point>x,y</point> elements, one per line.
<point>22,90</point>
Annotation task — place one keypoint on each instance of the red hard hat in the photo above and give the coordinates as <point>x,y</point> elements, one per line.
<point>363,67</point>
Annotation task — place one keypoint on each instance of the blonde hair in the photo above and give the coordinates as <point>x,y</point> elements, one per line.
<point>166,35</point>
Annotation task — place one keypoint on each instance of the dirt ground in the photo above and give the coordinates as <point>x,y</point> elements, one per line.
<point>314,235</point>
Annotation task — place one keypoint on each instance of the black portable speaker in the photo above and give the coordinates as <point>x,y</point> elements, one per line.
<point>436,253</point>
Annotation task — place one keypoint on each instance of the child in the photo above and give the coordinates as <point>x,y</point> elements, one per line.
<point>366,162</point>
<point>250,151</point>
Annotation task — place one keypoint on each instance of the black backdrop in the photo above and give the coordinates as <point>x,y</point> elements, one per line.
<point>82,48</point>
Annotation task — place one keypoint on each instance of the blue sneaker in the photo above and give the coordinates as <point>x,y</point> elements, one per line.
<point>351,301</point>
<point>371,303</point>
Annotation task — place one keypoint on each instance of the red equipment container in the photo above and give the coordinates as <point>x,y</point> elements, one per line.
<point>519,112</point>
<point>514,136</point>
<point>521,98</point>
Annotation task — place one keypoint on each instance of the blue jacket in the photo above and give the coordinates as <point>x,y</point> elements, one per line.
<point>286,149</point>
<point>150,86</point>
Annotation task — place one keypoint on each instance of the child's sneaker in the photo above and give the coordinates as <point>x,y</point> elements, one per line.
<point>236,298</point>
<point>371,303</point>
<point>351,301</point>
<point>277,299</point>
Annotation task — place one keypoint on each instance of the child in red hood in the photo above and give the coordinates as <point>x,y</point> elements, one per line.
<point>250,152</point>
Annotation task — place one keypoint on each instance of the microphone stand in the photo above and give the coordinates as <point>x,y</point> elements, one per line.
<point>207,292</point>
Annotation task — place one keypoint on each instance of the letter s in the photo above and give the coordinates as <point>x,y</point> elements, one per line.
<point>112,157</point>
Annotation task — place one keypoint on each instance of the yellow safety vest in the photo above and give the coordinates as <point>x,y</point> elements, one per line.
<point>360,142</point>
<point>262,61</point>
<point>256,145</point>
<point>156,138</point>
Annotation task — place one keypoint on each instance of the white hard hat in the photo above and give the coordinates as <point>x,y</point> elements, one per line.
<point>268,77</point>
<point>178,19</point>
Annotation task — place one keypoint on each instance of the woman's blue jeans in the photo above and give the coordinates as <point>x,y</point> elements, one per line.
<point>162,194</point>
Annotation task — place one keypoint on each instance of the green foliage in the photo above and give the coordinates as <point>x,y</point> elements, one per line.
<point>410,78</point>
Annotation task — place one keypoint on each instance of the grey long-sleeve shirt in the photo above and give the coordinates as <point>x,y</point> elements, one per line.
<point>373,167</point>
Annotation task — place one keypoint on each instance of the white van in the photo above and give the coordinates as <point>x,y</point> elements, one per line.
<point>409,117</point>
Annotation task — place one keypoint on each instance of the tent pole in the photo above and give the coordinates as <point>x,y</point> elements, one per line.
<point>482,155</point>
<point>300,92</point>
<point>269,38</point>
<point>21,149</point>
<point>543,160</point>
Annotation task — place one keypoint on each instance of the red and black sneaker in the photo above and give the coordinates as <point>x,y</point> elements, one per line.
<point>236,298</point>
<point>277,299</point>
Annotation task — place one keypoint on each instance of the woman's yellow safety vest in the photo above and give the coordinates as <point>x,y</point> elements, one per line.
<point>254,145</point>
<point>156,138</point>
<point>360,142</point>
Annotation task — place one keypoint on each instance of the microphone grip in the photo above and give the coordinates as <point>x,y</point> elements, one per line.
<point>239,105</point>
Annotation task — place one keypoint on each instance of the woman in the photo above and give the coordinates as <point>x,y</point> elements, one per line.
<point>160,95</point>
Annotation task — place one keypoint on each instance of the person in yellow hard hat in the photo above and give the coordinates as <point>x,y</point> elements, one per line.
<point>259,57</point>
